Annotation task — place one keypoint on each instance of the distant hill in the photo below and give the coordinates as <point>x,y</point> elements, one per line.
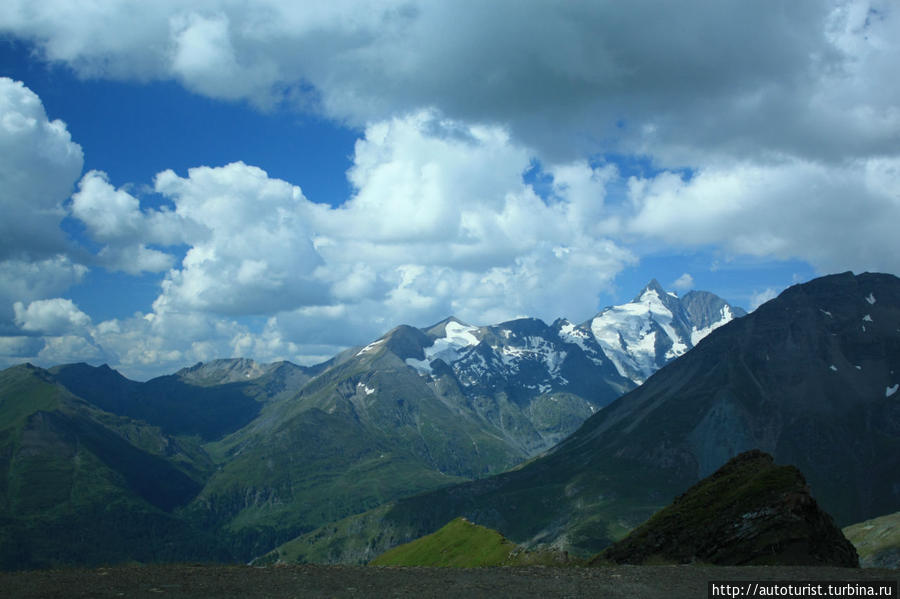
<point>208,400</point>
<point>78,484</point>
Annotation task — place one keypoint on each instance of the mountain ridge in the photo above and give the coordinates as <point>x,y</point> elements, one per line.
<point>287,448</point>
<point>765,380</point>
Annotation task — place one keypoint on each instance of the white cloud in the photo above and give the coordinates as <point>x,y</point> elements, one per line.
<point>256,255</point>
<point>15,348</point>
<point>39,167</point>
<point>114,217</point>
<point>810,79</point>
<point>786,119</point>
<point>760,297</point>
<point>837,218</point>
<point>23,280</point>
<point>53,317</point>
<point>683,283</point>
<point>440,221</point>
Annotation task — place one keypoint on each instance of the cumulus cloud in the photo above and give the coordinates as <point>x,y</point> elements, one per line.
<point>440,221</point>
<point>834,217</point>
<point>256,255</point>
<point>786,123</point>
<point>760,297</point>
<point>14,348</point>
<point>808,79</point>
<point>40,165</point>
<point>683,283</point>
<point>28,280</point>
<point>114,217</point>
<point>54,317</point>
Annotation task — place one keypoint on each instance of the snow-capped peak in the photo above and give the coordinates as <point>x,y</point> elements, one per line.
<point>457,336</point>
<point>641,336</point>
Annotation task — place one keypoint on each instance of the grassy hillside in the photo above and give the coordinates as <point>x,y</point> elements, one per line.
<point>462,544</point>
<point>75,490</point>
<point>877,541</point>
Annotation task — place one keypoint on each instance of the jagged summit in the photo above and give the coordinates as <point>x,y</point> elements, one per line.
<point>656,327</point>
<point>651,287</point>
<point>438,329</point>
<point>224,370</point>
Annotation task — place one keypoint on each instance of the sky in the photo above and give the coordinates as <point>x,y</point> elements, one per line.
<point>185,181</point>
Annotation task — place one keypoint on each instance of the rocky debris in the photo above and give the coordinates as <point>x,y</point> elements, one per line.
<point>749,512</point>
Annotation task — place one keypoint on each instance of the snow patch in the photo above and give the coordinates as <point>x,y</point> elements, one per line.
<point>870,298</point>
<point>867,318</point>
<point>891,390</point>
<point>698,334</point>
<point>625,334</point>
<point>857,366</point>
<point>826,313</point>
<point>370,347</point>
<point>572,334</point>
<point>449,348</point>
<point>678,348</point>
<point>534,348</point>
<point>423,366</point>
<point>833,367</point>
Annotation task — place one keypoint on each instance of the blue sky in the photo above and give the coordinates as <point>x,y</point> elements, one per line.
<point>186,181</point>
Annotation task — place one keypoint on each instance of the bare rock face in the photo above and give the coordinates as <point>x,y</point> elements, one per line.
<point>749,512</point>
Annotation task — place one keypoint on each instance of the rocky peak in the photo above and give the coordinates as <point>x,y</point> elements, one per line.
<point>222,371</point>
<point>749,512</point>
<point>652,286</point>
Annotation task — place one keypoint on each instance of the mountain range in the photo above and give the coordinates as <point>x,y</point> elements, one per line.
<point>811,377</point>
<point>228,459</point>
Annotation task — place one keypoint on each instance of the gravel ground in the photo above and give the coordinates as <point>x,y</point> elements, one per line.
<point>360,581</point>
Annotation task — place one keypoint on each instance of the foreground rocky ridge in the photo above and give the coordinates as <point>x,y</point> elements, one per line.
<point>748,512</point>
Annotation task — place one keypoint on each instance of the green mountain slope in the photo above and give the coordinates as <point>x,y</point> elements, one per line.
<point>78,485</point>
<point>877,541</point>
<point>462,544</point>
<point>362,433</point>
<point>458,544</point>
<point>207,400</point>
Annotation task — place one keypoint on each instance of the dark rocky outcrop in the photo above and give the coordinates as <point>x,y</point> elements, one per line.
<point>749,512</point>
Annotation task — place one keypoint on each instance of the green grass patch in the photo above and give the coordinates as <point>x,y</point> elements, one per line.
<point>876,536</point>
<point>460,544</point>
